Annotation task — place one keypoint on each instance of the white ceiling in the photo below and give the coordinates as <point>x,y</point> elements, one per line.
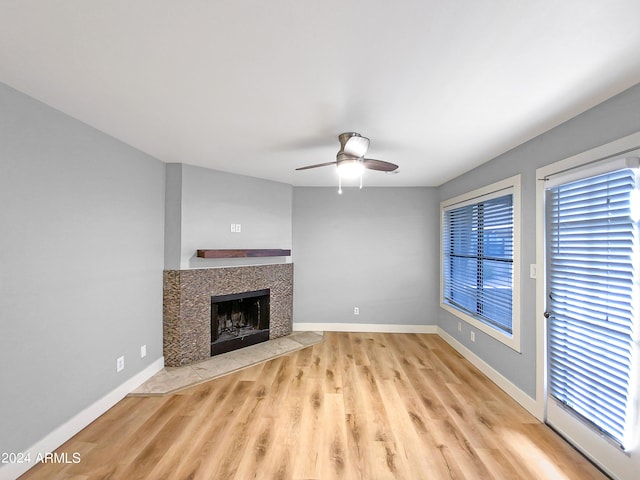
<point>261,87</point>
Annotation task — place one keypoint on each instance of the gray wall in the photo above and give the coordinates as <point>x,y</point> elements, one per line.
<point>375,248</point>
<point>613,119</point>
<point>208,203</point>
<point>81,256</point>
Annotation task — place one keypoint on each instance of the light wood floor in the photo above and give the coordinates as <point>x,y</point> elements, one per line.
<point>358,406</point>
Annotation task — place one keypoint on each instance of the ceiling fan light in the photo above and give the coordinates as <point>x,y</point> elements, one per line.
<point>349,169</point>
<point>355,145</point>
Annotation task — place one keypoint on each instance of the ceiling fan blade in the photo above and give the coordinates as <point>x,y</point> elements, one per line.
<point>316,166</point>
<point>381,165</point>
<point>356,145</point>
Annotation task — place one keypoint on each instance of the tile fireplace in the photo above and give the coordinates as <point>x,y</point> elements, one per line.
<point>187,306</point>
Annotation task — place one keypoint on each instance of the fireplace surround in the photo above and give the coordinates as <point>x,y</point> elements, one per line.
<point>187,305</point>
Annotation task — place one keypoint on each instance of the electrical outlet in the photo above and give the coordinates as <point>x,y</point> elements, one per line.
<point>120,364</point>
<point>356,311</point>
<point>143,351</point>
<point>473,336</point>
<point>459,326</point>
<point>236,228</point>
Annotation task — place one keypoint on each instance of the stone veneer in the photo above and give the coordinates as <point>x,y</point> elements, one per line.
<point>187,305</point>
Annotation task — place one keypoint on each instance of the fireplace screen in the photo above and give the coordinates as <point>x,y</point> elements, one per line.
<point>239,320</point>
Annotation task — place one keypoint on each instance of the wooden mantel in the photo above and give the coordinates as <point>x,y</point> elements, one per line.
<point>243,253</point>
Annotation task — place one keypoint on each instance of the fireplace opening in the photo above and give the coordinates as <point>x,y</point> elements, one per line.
<point>239,320</point>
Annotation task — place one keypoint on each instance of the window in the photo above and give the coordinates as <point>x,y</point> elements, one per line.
<point>479,259</point>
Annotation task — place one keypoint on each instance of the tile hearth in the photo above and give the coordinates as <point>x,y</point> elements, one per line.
<point>173,379</point>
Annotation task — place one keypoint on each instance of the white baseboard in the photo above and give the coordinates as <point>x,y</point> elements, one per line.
<point>68,429</point>
<point>496,377</point>
<point>363,327</point>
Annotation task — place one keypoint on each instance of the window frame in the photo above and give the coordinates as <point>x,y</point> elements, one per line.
<point>511,185</point>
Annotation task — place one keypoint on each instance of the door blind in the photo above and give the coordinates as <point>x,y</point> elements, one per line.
<point>592,241</point>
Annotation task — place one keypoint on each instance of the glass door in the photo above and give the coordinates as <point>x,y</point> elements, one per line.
<point>593,303</point>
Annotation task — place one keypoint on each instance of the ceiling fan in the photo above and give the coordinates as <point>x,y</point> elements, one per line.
<point>350,161</point>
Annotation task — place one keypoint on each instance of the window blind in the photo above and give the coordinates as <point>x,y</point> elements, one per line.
<point>478,260</point>
<point>592,242</point>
